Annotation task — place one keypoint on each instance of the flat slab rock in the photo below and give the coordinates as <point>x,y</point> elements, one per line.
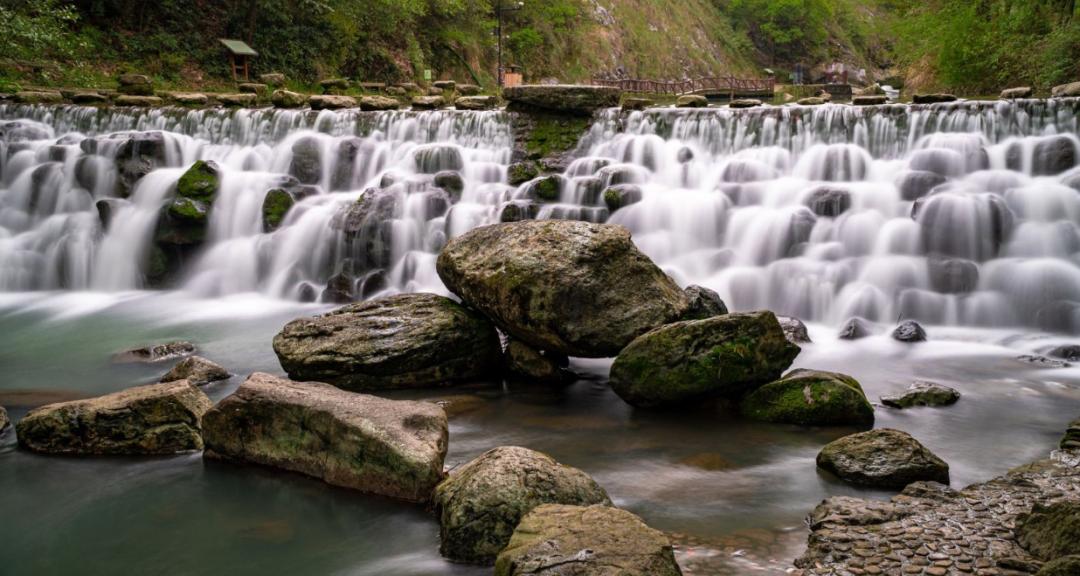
<point>144,420</point>
<point>402,341</point>
<point>393,448</point>
<point>933,530</point>
<point>564,98</point>
<point>560,540</point>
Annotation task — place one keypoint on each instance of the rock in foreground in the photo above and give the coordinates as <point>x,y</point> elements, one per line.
<point>154,419</point>
<point>684,361</point>
<point>882,458</point>
<point>482,502</point>
<point>402,341</point>
<point>558,540</point>
<point>197,370</point>
<point>1050,531</point>
<point>393,448</point>
<point>923,394</point>
<point>575,288</point>
<point>810,398</point>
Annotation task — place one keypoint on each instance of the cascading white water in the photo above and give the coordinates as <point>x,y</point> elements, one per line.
<point>959,214</point>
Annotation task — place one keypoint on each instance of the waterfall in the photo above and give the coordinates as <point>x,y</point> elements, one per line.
<point>964,213</point>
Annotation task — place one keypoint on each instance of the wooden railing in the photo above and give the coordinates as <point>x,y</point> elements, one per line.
<point>721,84</point>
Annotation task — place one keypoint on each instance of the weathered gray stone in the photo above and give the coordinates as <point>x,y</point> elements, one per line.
<point>1014,93</point>
<point>331,102</point>
<point>560,540</point>
<point>883,458</point>
<point>155,353</point>
<point>1066,90</point>
<point>393,448</point>
<point>403,341</point>
<point>923,394</point>
<point>197,370</point>
<point>481,502</point>
<point>241,100</point>
<point>691,101</point>
<point>575,288</point>
<point>287,99</point>
<point>368,103</point>
<point>704,303</point>
<point>428,102</point>
<point>794,329</point>
<point>153,419</point>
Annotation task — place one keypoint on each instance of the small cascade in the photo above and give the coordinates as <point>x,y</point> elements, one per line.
<point>964,213</point>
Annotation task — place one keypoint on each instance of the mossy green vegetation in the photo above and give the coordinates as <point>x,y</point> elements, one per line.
<point>555,134</point>
<point>810,398</point>
<point>200,182</point>
<point>276,204</point>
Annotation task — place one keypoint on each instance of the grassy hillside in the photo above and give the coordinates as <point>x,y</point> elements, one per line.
<point>970,47</point>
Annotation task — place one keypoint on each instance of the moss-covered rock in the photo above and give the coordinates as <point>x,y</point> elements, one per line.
<point>393,448</point>
<point>810,398</point>
<point>521,172</point>
<point>402,341</point>
<point>546,189</point>
<point>684,361</point>
<point>1064,566</point>
<point>883,458</point>
<point>621,196</point>
<point>562,540</point>
<point>287,99</point>
<point>200,182</point>
<point>575,288</point>
<point>275,206</point>
<point>188,211</point>
<point>481,502</point>
<point>153,419</point>
<point>535,365</point>
<point>1050,530</point>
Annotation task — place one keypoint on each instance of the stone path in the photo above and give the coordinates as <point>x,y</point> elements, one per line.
<point>934,530</point>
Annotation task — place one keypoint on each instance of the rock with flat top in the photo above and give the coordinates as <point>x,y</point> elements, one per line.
<point>287,99</point>
<point>571,99</point>
<point>691,101</point>
<point>923,394</point>
<point>197,370</point>
<point>883,458</point>
<point>393,448</point>
<point>1066,90</point>
<point>378,103</point>
<point>933,98</point>
<point>331,102</point>
<point>144,420</point>
<point>561,540</point>
<point>1014,93</point>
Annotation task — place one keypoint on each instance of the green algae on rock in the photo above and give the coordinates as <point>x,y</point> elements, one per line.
<point>402,341</point>
<point>561,540</point>
<point>481,502</point>
<point>571,287</point>
<point>144,420</point>
<point>684,361</point>
<point>810,398</point>
<point>393,448</point>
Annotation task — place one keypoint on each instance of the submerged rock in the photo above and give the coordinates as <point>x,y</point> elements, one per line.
<point>1070,352</point>
<point>828,201</point>
<point>704,303</point>
<point>909,331</point>
<point>855,329</point>
<point>1050,530</point>
<point>393,448</point>
<point>794,329</point>
<point>536,365</point>
<point>153,419</point>
<point>481,502</point>
<point>1042,361</point>
<point>810,398</point>
<point>403,341</point>
<point>196,370</point>
<point>923,394</point>
<point>574,288</point>
<point>914,184</point>
<point>684,361</point>
<point>154,353</point>
<point>882,458</point>
<point>560,540</point>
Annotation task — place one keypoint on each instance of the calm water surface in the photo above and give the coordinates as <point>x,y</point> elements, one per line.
<point>733,494</point>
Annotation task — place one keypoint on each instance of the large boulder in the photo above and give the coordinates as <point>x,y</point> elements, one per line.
<point>402,341</point>
<point>572,99</point>
<point>393,448</point>
<point>882,458</point>
<point>923,394</point>
<point>152,419</point>
<point>684,361</point>
<point>1050,530</point>
<point>576,288</point>
<point>481,502</point>
<point>561,540</point>
<point>196,370</point>
<point>810,398</point>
